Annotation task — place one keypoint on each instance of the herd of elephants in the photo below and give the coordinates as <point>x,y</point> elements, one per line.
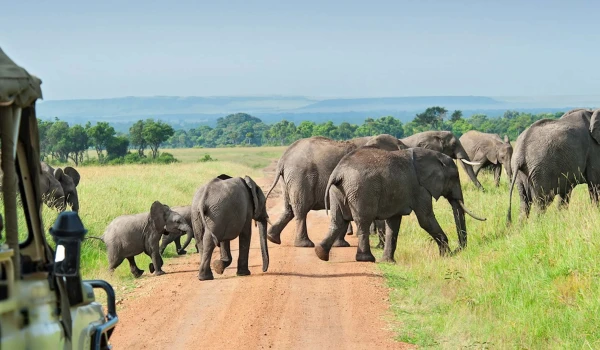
<point>373,181</point>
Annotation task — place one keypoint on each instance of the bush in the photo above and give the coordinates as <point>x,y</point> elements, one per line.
<point>132,158</point>
<point>207,158</point>
<point>166,158</point>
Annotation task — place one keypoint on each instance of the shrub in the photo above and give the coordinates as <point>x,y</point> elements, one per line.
<point>166,158</point>
<point>207,158</point>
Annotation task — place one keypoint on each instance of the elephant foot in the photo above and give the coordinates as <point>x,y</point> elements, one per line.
<point>367,257</point>
<point>206,277</point>
<point>341,243</point>
<point>151,267</point>
<point>388,260</point>
<point>304,243</point>
<point>322,253</point>
<point>274,238</point>
<point>182,252</point>
<point>219,266</point>
<point>159,273</point>
<point>243,272</point>
<point>138,273</point>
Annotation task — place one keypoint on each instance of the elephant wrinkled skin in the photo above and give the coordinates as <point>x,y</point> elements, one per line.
<point>371,184</point>
<point>69,180</point>
<point>222,210</point>
<point>553,156</point>
<point>305,168</point>
<point>490,151</point>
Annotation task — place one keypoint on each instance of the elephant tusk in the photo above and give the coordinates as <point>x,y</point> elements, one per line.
<point>470,163</point>
<point>468,212</point>
<point>269,222</point>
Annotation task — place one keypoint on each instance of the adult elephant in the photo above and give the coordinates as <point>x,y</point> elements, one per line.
<point>552,156</point>
<point>490,151</point>
<point>69,180</point>
<point>52,191</point>
<point>305,168</point>
<point>223,210</point>
<point>446,143</point>
<point>371,184</point>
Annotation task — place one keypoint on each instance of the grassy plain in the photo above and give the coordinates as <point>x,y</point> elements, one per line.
<point>532,285</point>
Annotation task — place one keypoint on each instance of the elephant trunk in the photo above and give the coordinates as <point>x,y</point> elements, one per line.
<point>262,230</point>
<point>462,154</point>
<point>508,169</point>
<point>459,220</point>
<point>190,234</point>
<point>73,201</point>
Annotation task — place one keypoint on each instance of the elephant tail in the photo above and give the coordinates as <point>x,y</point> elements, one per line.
<point>279,174</point>
<point>98,238</point>
<point>512,185</point>
<point>334,179</point>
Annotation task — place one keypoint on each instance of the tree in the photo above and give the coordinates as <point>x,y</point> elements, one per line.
<point>155,133</point>
<point>456,116</point>
<point>100,135</point>
<point>43,127</point>
<point>58,140</point>
<point>136,137</point>
<point>432,117</point>
<point>117,147</point>
<point>77,143</point>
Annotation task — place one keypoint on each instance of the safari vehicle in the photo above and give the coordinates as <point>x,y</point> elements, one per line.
<point>44,304</point>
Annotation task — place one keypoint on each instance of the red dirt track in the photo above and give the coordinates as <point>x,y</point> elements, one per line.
<point>300,303</point>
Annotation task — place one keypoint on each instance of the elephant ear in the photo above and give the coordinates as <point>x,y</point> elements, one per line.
<point>595,125</point>
<point>158,213</point>
<point>253,189</point>
<point>492,155</point>
<point>223,177</point>
<point>430,168</point>
<point>74,174</point>
<point>58,174</point>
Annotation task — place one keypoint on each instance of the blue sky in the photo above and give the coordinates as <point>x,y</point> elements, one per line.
<point>313,48</point>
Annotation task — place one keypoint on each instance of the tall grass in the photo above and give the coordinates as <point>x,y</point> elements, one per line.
<point>531,285</point>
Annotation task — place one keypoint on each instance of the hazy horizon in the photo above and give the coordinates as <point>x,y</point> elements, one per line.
<point>311,49</point>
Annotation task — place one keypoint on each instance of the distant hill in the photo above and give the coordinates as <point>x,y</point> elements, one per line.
<point>185,112</point>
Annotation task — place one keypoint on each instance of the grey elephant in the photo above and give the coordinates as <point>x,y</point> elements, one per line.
<point>223,210</point>
<point>372,184</point>
<point>52,191</point>
<point>130,235</point>
<point>69,180</point>
<point>490,151</point>
<point>551,157</point>
<point>175,234</point>
<point>305,168</point>
<point>446,143</point>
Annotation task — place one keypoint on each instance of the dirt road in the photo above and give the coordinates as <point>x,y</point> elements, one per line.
<point>300,303</point>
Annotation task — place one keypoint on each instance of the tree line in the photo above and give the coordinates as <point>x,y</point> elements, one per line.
<point>63,142</point>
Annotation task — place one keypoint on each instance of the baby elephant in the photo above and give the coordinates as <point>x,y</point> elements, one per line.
<point>130,235</point>
<point>222,210</point>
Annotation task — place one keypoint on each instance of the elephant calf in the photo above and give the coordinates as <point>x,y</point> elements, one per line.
<point>130,235</point>
<point>490,151</point>
<point>222,210</point>
<point>175,234</point>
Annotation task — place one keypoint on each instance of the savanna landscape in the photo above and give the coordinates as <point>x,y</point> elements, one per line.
<point>527,285</point>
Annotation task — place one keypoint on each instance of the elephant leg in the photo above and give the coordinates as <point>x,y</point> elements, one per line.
<point>302,239</point>
<point>135,271</point>
<point>428,222</point>
<point>392,226</point>
<point>178,246</point>
<point>349,231</point>
<point>525,199</point>
<point>497,174</point>
<point>220,265</point>
<point>165,241</point>
<point>337,228</point>
<point>207,245</point>
<point>274,234</point>
<point>157,262</point>
<point>113,263</point>
<point>363,252</point>
<point>244,252</point>
<point>340,241</point>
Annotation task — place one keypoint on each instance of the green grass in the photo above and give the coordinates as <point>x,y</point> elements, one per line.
<point>533,285</point>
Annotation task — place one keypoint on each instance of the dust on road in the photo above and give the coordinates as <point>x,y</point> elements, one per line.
<point>300,303</point>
